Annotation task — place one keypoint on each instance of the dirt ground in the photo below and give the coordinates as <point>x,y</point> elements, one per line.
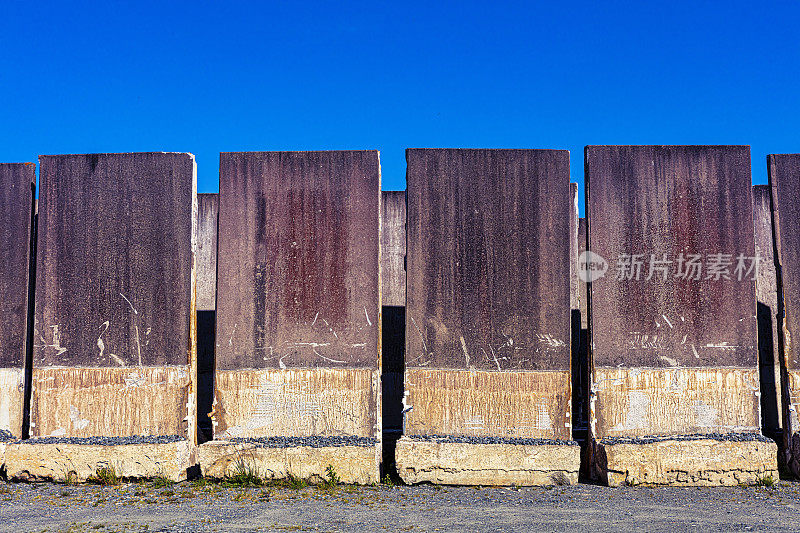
<point>203,506</point>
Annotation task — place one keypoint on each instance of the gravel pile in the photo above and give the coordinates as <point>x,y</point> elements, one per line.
<point>314,441</point>
<point>108,441</point>
<point>722,437</point>
<point>463,439</point>
<point>6,436</point>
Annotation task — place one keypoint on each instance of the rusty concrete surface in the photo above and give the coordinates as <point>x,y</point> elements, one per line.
<point>672,355</point>
<point>488,294</point>
<point>574,300</point>
<point>784,180</point>
<point>207,209</point>
<point>582,296</point>
<point>17,183</point>
<point>530,404</point>
<point>114,289</point>
<point>298,260</point>
<point>671,200</point>
<point>393,248</point>
<point>488,259</point>
<point>767,314</point>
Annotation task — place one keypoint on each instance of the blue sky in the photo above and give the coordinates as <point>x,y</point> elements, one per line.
<point>206,77</point>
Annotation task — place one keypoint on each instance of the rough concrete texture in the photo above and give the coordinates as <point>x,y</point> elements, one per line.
<point>488,293</point>
<point>115,289</point>
<point>295,402</point>
<point>488,259</point>
<point>352,464</point>
<point>207,210</point>
<point>393,248</point>
<point>784,180</point>
<point>298,270</point>
<point>482,403</point>
<point>574,302</point>
<point>667,201</point>
<point>17,184</point>
<point>12,388</point>
<point>704,462</point>
<point>29,461</point>
<point>767,315</point>
<point>451,463</point>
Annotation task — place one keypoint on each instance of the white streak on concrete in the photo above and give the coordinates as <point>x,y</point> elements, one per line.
<point>327,358</point>
<point>466,353</point>
<point>369,323</point>
<point>670,361</point>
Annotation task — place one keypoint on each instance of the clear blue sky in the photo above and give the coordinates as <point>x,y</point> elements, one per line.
<point>206,77</point>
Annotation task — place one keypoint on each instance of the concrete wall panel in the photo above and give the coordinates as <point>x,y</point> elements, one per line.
<point>661,205</point>
<point>114,293</point>
<point>488,294</point>
<point>17,181</point>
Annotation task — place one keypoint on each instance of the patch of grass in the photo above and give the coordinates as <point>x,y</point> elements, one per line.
<point>244,475</point>
<point>161,481</point>
<point>765,481</point>
<point>106,476</point>
<point>289,482</point>
<point>331,480</point>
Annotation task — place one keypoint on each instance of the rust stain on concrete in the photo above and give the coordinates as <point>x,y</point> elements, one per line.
<point>677,401</point>
<point>296,402</point>
<point>507,404</point>
<point>17,183</point>
<point>653,334</point>
<point>85,402</point>
<point>393,248</point>
<point>207,211</point>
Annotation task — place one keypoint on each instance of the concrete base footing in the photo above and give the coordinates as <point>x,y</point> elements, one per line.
<point>352,464</point>
<point>456,463</point>
<point>701,462</point>
<point>28,461</point>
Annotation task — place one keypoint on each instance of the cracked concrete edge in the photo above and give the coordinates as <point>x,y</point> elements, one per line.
<point>449,463</point>
<point>353,464</point>
<point>696,463</point>
<point>79,462</point>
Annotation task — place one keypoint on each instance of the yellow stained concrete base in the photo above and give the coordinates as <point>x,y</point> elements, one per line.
<point>449,463</point>
<point>12,385</point>
<point>353,464</point>
<point>58,462</point>
<point>703,462</point>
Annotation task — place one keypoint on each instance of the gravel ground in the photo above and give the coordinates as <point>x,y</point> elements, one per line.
<point>200,506</point>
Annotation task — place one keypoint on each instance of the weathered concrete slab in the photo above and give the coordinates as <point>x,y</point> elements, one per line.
<point>784,180</point>
<point>17,183</point>
<point>114,340</point>
<point>353,464</point>
<point>29,461</point>
<point>696,463</point>
<point>393,248</point>
<point>574,299</point>
<point>766,315</point>
<point>207,210</point>
<point>488,293</point>
<point>298,306</point>
<point>488,259</point>
<point>583,297</point>
<point>453,463</point>
<point>672,325</point>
